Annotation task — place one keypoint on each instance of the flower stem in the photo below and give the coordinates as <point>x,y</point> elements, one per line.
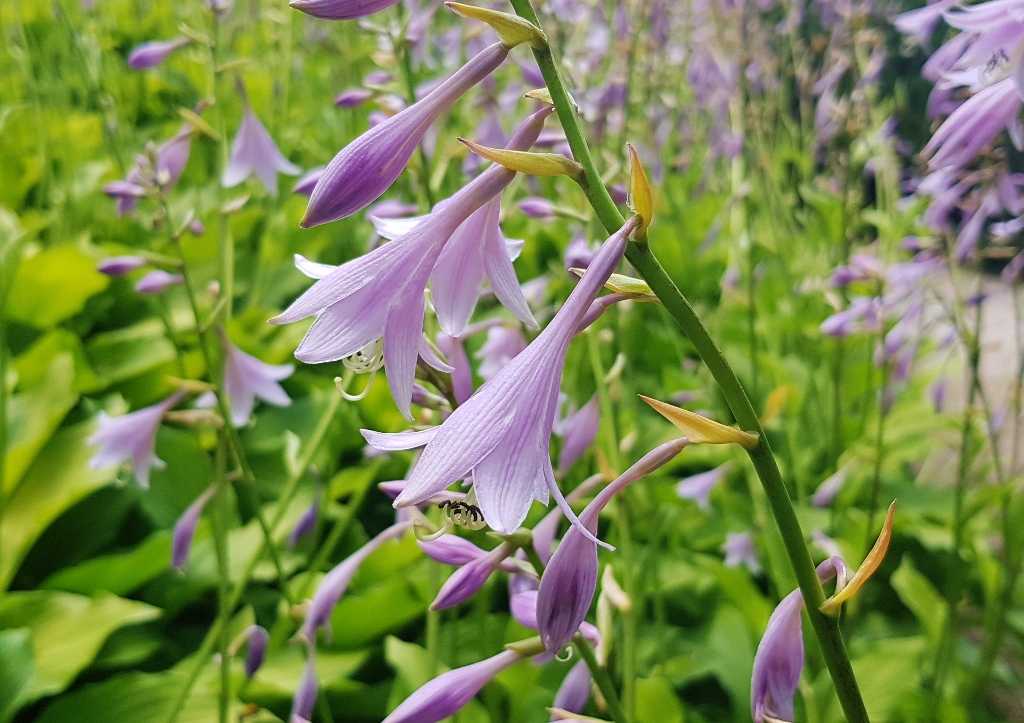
<point>826,629</point>
<point>601,679</point>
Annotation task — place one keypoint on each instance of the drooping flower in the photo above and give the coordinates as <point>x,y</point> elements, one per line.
<point>971,126</point>
<point>131,436</point>
<point>502,434</point>
<point>367,167</point>
<point>254,151</point>
<point>185,529</point>
<point>153,53</point>
<point>246,378</point>
<point>379,296</point>
<point>449,692</point>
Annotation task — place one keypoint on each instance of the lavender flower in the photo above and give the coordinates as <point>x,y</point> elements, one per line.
<point>698,487</point>
<point>380,295</point>
<point>341,9</point>
<point>131,436</point>
<point>307,522</point>
<point>334,584</point>
<point>246,378</point>
<point>469,578</point>
<point>446,694</point>
<point>739,550</point>
<point>578,432</point>
<point>779,662</point>
<point>971,126</point>
<point>536,207</point>
<point>462,374</point>
<point>827,490</point>
<point>153,53</point>
<point>502,434</point>
<point>305,693</point>
<point>570,578</point>
<point>185,529</point>
<point>170,159</point>
<point>352,98</point>
<point>120,265</point>
<point>574,691</point>
<point>365,168</point>
<point>157,281</point>
<point>502,345</point>
<point>254,151</point>
<point>258,638</point>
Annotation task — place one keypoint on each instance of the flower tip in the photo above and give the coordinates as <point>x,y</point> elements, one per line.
<point>511,29</point>
<point>639,198</point>
<point>701,430</point>
<point>535,164</point>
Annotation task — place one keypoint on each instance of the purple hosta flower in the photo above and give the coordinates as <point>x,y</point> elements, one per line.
<point>739,550</point>
<point>159,168</point>
<point>185,529</point>
<point>449,692</point>
<point>246,378</point>
<point>861,268</point>
<point>462,374</point>
<point>366,167</point>
<point>305,693</point>
<point>536,207</point>
<point>257,637</point>
<point>341,9</point>
<point>379,296</point>
<point>307,182</point>
<point>937,393</point>
<point>578,432</point>
<point>502,434</point>
<point>502,345</point>
<point>920,23</point>
<point>570,578</point>
<point>307,522</point>
<point>157,281</point>
<point>131,436</point>
<point>698,487</point>
<point>973,125</point>
<point>827,490</point>
<point>254,151</point>
<point>578,254</point>
<point>470,577</point>
<point>334,584</point>
<point>120,265</point>
<point>151,54</point>
<point>352,98</point>
<point>574,691</point>
<point>862,315</point>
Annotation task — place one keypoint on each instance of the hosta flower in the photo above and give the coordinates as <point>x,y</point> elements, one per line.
<point>257,637</point>
<point>254,151</point>
<point>502,434</point>
<point>185,529</point>
<point>153,53</point>
<point>698,487</point>
<point>341,9</point>
<point>973,125</point>
<point>578,432</point>
<point>131,436</point>
<point>120,265</point>
<point>170,159</point>
<point>246,378</point>
<point>502,345</point>
<point>367,167</point>
<point>739,550</point>
<point>379,296</point>
<point>157,281</point>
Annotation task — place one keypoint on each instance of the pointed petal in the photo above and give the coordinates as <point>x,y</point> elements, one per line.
<point>432,360</point>
<point>502,276</point>
<point>344,328</point>
<point>403,331</point>
<point>458,274</point>
<point>394,441</point>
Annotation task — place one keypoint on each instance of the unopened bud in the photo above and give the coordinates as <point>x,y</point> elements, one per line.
<point>511,29</point>
<point>535,164</point>
<point>639,199</point>
<point>701,430</point>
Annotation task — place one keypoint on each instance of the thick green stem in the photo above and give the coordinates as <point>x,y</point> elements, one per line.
<point>601,679</point>
<point>826,628</point>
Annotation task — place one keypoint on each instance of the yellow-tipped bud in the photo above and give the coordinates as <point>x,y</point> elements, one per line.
<point>541,94</point>
<point>198,124</point>
<point>639,200</point>
<point>622,284</point>
<point>701,430</point>
<point>535,164</point>
<point>867,568</point>
<point>512,30</point>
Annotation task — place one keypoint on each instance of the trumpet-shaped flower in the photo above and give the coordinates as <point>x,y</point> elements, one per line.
<point>254,151</point>
<point>739,550</point>
<point>380,295</point>
<point>246,378</point>
<point>502,434</point>
<point>131,436</point>
<point>366,167</point>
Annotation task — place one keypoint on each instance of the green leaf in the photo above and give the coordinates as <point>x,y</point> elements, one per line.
<point>657,702</point>
<point>53,286</point>
<point>35,414</point>
<point>67,632</point>
<point>15,668</point>
<point>119,574</point>
<point>59,478</point>
<point>361,618</point>
<point>917,593</point>
<point>120,355</point>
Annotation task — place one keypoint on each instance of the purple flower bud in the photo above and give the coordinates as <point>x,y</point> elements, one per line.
<point>341,9</point>
<point>185,529</point>
<point>452,550</point>
<point>828,489</point>
<point>579,431</point>
<point>258,638</point>
<point>120,265</point>
<point>469,578</point>
<point>352,98</point>
<point>378,78</point>
<point>157,281</point>
<point>536,207</point>
<point>151,54</point>
<point>779,662</point>
<point>197,227</point>
<point>365,168</point>
<point>739,550</point>
<point>578,254</point>
<point>698,487</point>
<point>306,523</point>
<point>446,694</point>
<point>305,693</point>
<point>574,691</point>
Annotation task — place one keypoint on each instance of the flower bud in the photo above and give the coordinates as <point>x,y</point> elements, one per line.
<point>701,430</point>
<point>535,164</point>
<point>152,54</point>
<point>185,529</point>
<point>120,265</point>
<point>157,281</point>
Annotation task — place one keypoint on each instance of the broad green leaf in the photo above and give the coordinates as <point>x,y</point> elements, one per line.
<point>889,670</point>
<point>917,593</point>
<point>119,574</point>
<point>53,286</point>
<point>657,702</point>
<point>67,632</point>
<point>360,618</point>
<point>15,668</point>
<point>279,676</point>
<point>35,414</point>
<point>120,355</point>
<point>32,364</point>
<point>59,477</point>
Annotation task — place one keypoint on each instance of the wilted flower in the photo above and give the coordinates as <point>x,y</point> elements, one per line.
<point>131,436</point>
<point>185,529</point>
<point>254,151</point>
<point>246,378</point>
<point>151,54</point>
<point>502,434</point>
